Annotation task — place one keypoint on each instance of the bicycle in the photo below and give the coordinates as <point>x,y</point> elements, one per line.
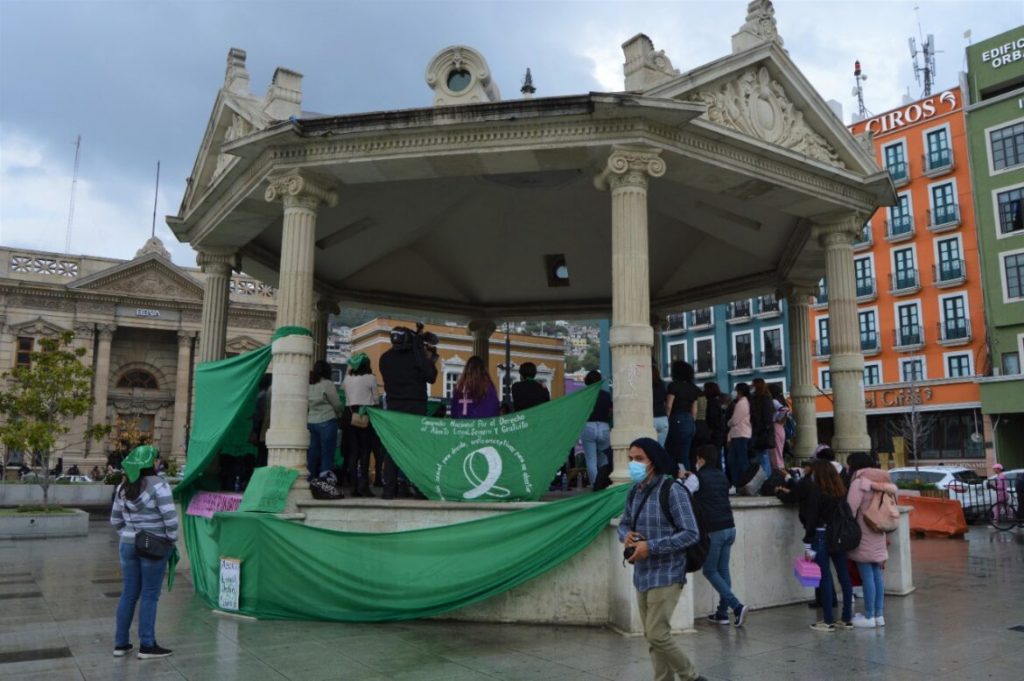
<point>1003,516</point>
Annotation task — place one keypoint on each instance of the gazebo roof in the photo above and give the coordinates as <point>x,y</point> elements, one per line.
<point>453,209</point>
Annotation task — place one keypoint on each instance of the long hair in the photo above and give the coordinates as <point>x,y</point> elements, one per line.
<point>742,390</point>
<point>760,388</point>
<point>475,380</point>
<point>321,370</point>
<point>363,369</point>
<point>682,371</point>
<point>827,479</point>
<point>656,376</point>
<point>711,390</point>
<point>131,490</point>
<point>776,391</point>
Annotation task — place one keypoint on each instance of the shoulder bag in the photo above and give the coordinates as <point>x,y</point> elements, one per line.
<point>149,545</point>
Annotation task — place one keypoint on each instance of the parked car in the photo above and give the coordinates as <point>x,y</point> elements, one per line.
<point>73,478</point>
<point>962,484</point>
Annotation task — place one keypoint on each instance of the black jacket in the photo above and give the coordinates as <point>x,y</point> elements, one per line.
<point>406,374</point>
<point>716,422</point>
<point>713,499</point>
<point>762,422</point>
<point>526,394</point>
<point>816,507</point>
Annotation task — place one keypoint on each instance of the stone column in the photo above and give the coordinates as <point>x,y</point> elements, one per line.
<point>102,376</point>
<point>482,330</point>
<point>631,337</point>
<point>802,389</point>
<point>182,398</point>
<point>217,267</point>
<point>846,364</point>
<point>321,322</point>
<point>85,339</point>
<point>302,195</point>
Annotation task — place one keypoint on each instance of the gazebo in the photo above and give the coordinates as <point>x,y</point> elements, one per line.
<point>683,189</point>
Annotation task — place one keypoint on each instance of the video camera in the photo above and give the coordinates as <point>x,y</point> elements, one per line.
<point>405,339</point>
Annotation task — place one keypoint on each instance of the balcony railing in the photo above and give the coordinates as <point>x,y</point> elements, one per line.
<point>937,161</point>
<point>866,288</point>
<point>704,367</point>
<point>865,238</point>
<point>904,281</point>
<point>821,348</point>
<point>675,322</point>
<point>739,310</point>
<point>908,337</point>
<point>767,306</point>
<point>955,330</point>
<point>742,363</point>
<point>771,359</point>
<point>701,317</point>
<point>869,341</point>
<point>821,299</point>
<point>899,173</point>
<point>949,272</point>
<point>943,218</point>
<point>899,227</point>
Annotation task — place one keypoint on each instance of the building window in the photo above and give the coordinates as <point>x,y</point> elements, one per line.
<point>896,161</point>
<point>1007,146</point>
<point>1010,209</point>
<point>451,379</point>
<point>908,331</point>
<point>912,370</point>
<point>958,366</point>
<point>872,374</point>
<point>771,347</point>
<point>676,353</point>
<point>743,351</point>
<point>26,344</point>
<point>951,264</point>
<point>937,142</point>
<point>825,379</point>
<point>944,205</point>
<point>868,331</point>
<point>865,277</point>
<point>138,378</point>
<point>905,270</point>
<point>1010,363</point>
<point>901,221</point>
<point>823,345</point>
<point>702,317</point>
<point>1013,275</point>
<point>676,322</point>
<point>704,349</point>
<point>739,309</point>
<point>955,324</point>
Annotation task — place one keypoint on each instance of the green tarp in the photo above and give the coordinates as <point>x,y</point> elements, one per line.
<point>506,458</point>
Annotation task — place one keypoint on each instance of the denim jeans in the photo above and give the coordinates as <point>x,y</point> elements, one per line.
<point>764,457</point>
<point>596,439</point>
<point>661,428</point>
<point>716,568</point>
<point>681,431</point>
<point>827,587</point>
<point>142,577</point>
<point>323,440</point>
<point>873,579</point>
<point>737,459</point>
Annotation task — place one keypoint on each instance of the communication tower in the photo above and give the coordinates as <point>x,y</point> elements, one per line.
<point>858,91</point>
<point>924,72</point>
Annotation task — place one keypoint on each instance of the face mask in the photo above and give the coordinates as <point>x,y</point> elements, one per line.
<point>637,471</point>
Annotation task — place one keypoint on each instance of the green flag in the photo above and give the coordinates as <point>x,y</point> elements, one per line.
<point>506,458</point>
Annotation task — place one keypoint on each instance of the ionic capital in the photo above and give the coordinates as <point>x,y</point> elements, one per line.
<point>301,190</point>
<point>840,229</point>
<point>481,327</point>
<point>797,294</point>
<point>630,167</point>
<point>217,262</point>
<point>326,307</point>
<point>84,331</point>
<point>106,331</point>
<point>185,338</point>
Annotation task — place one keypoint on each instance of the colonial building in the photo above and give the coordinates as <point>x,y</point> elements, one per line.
<point>138,321</point>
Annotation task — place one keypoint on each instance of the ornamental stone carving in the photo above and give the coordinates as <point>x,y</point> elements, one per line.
<point>214,263</point>
<point>760,27</point>
<point>757,105</point>
<point>460,75</point>
<point>630,168</point>
<point>300,190</point>
<point>37,327</point>
<point>644,67</point>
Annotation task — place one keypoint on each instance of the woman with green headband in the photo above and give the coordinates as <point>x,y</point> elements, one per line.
<point>360,392</point>
<point>142,503</point>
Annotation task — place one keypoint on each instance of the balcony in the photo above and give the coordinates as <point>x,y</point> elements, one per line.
<point>899,228</point>
<point>865,239</point>
<point>700,319</point>
<point>704,368</point>
<point>956,331</point>
<point>771,360</point>
<point>739,311</point>
<point>944,218</point>
<point>904,282</point>
<point>742,364</point>
<point>866,290</point>
<point>908,338</point>
<point>767,306</point>
<point>869,342</point>
<point>821,299</point>
<point>937,162</point>
<point>899,173</point>
<point>675,322</point>
<point>949,273</point>
<point>821,348</point>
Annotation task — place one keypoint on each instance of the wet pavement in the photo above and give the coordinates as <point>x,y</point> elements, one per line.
<point>58,596</point>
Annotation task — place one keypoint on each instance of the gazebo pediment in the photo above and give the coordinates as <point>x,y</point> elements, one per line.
<point>150,275</point>
<point>36,327</point>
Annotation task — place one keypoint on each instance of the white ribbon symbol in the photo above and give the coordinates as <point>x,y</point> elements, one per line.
<point>486,485</point>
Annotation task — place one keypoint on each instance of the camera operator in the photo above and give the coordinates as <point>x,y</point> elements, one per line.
<point>406,369</point>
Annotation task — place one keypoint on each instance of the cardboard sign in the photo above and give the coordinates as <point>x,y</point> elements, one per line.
<point>205,504</point>
<point>268,489</point>
<point>230,583</point>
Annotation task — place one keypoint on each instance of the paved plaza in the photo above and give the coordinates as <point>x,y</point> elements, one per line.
<point>57,601</point>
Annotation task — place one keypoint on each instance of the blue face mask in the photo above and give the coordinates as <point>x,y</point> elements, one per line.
<point>637,471</point>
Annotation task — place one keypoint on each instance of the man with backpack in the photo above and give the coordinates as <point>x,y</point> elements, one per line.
<point>656,543</point>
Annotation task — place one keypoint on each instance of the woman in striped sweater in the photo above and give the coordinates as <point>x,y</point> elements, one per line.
<point>142,503</point>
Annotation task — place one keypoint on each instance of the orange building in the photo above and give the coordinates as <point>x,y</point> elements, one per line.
<point>922,325</point>
<point>456,346</point>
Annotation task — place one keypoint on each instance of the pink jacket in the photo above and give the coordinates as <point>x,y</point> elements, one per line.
<point>873,547</point>
<point>739,424</point>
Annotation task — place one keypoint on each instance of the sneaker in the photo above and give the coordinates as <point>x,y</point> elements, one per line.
<point>823,626</point>
<point>861,622</point>
<point>717,618</point>
<point>741,615</point>
<point>732,491</point>
<point>879,621</point>
<point>121,651</point>
<point>847,624</point>
<point>153,651</point>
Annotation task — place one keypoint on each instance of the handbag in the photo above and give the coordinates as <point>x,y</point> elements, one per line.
<point>360,419</point>
<point>149,545</point>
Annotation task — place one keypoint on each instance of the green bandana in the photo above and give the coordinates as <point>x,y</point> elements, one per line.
<point>356,361</point>
<point>143,456</point>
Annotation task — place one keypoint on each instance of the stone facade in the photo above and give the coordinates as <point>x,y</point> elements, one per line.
<point>139,323</point>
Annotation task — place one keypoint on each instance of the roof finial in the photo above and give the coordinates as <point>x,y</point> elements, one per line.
<point>759,28</point>
<point>528,88</point>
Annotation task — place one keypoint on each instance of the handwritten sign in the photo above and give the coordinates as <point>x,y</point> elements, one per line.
<point>268,489</point>
<point>230,583</point>
<point>205,504</point>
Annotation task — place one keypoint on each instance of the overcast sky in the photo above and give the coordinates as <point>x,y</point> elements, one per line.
<point>137,79</point>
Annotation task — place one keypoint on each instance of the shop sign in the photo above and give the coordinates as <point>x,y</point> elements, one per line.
<point>897,397</point>
<point>914,113</point>
<point>148,313</point>
<point>1007,53</point>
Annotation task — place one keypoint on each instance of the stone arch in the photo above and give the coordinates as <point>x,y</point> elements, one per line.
<point>126,371</point>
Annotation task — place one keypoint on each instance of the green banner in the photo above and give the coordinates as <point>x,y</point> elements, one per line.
<point>268,489</point>
<point>507,458</point>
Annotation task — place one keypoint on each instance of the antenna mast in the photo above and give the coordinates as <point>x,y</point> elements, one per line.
<point>926,70</point>
<point>858,90</point>
<point>74,184</point>
<point>156,195</point>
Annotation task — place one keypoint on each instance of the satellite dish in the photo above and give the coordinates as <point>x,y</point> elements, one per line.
<point>976,438</point>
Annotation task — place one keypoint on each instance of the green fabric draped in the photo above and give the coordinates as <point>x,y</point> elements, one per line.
<point>506,458</point>
<point>293,571</point>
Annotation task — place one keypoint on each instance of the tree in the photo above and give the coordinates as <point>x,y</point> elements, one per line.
<point>913,427</point>
<point>42,398</point>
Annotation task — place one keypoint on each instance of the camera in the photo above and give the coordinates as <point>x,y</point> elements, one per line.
<point>405,339</point>
<point>628,552</point>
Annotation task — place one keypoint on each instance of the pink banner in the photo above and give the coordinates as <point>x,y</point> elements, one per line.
<point>205,504</point>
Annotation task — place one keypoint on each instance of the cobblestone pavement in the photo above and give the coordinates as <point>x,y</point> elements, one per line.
<point>57,601</point>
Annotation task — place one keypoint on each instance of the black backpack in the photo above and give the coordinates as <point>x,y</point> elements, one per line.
<point>696,553</point>
<point>842,533</point>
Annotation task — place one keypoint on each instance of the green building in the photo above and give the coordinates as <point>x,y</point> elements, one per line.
<point>995,129</point>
